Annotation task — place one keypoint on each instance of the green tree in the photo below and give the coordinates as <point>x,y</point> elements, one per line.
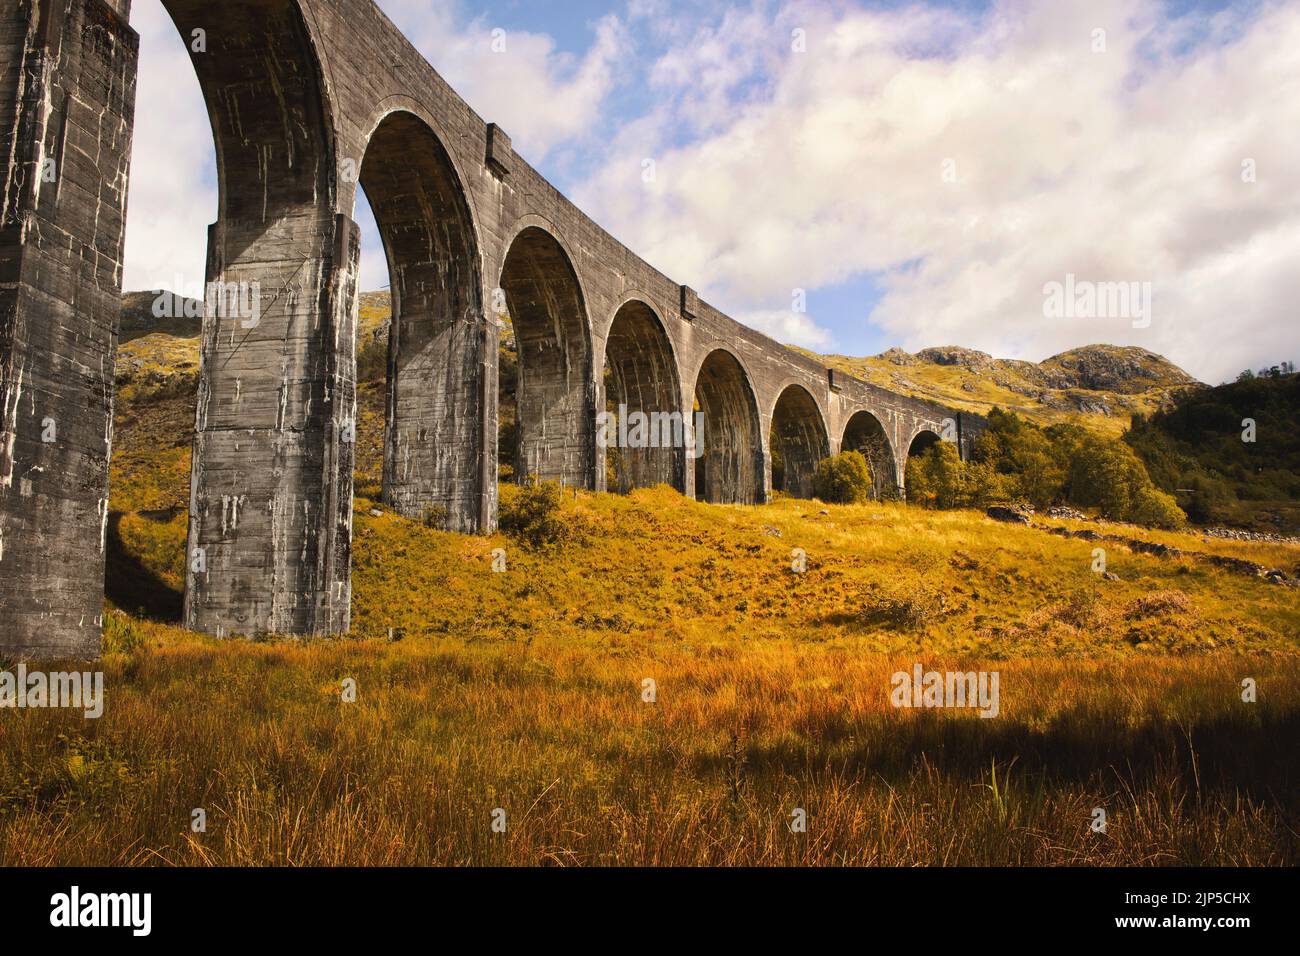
<point>937,477</point>
<point>844,479</point>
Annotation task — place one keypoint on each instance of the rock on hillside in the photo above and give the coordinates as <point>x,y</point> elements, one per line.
<point>1125,369</point>
<point>1115,368</point>
<point>956,355</point>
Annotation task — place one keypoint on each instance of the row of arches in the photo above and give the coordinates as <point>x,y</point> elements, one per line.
<point>272,398</point>
<point>551,398</point>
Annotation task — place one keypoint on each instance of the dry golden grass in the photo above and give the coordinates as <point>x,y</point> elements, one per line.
<point>523,691</point>
<point>444,732</point>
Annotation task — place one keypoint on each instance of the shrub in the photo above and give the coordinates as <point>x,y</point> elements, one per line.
<point>1108,475</point>
<point>904,610</point>
<point>372,360</point>
<point>843,479</point>
<point>122,634</point>
<point>1154,508</point>
<point>1015,460</point>
<point>531,515</point>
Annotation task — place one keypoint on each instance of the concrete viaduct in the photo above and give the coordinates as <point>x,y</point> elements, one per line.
<point>306,99</point>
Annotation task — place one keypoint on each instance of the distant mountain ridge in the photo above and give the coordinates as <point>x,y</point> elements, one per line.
<point>1098,385</point>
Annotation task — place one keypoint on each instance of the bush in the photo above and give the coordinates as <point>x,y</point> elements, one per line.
<point>905,610</point>
<point>122,634</point>
<point>843,479</point>
<point>531,516</point>
<point>1109,476</point>
<point>1155,509</point>
<point>1017,461</point>
<point>372,360</point>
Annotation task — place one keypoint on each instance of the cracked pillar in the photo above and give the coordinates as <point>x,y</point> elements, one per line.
<point>67,93</point>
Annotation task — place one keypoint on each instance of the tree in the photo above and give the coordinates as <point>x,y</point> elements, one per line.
<point>843,479</point>
<point>936,477</point>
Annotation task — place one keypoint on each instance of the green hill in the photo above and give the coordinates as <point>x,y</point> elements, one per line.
<point>1205,451</point>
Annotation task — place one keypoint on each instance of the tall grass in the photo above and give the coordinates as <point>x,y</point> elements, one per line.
<point>588,773</point>
<point>522,691</point>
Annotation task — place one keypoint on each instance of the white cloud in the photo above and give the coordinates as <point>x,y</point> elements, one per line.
<point>173,190</point>
<point>778,170</point>
<point>541,96</point>
<point>788,326</point>
<point>1116,165</point>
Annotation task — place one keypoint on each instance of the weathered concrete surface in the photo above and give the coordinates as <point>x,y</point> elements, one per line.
<point>271,488</point>
<point>307,98</point>
<point>68,84</point>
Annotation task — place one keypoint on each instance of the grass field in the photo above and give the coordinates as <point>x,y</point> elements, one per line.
<point>524,692</point>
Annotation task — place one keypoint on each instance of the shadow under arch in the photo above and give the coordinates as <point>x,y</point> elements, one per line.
<point>866,434</point>
<point>554,401</point>
<point>798,441</point>
<point>434,401</point>
<point>641,386</point>
<point>730,469</point>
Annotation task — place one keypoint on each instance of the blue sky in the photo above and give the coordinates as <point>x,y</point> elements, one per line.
<point>820,170</point>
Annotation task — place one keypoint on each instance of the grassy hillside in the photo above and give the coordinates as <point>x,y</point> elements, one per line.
<point>523,691</point>
<point>526,691</point>
<point>1098,386</point>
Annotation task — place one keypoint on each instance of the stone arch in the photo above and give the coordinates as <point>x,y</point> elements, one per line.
<point>277,390</point>
<point>798,441</point>
<point>729,468</point>
<point>922,441</point>
<point>434,401</point>
<point>640,373</point>
<point>866,434</point>
<point>555,396</point>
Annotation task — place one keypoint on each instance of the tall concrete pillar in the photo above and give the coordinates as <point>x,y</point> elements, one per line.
<point>67,95</point>
<point>271,482</point>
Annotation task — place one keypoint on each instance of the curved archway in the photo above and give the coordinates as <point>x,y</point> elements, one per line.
<point>729,469</point>
<point>554,399</point>
<point>798,442</point>
<point>645,430</point>
<point>434,396</point>
<point>864,433</point>
<point>922,441</point>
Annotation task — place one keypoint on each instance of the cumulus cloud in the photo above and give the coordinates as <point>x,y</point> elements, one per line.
<point>956,161</point>
<point>542,96</point>
<point>786,325</point>
<point>965,160</point>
